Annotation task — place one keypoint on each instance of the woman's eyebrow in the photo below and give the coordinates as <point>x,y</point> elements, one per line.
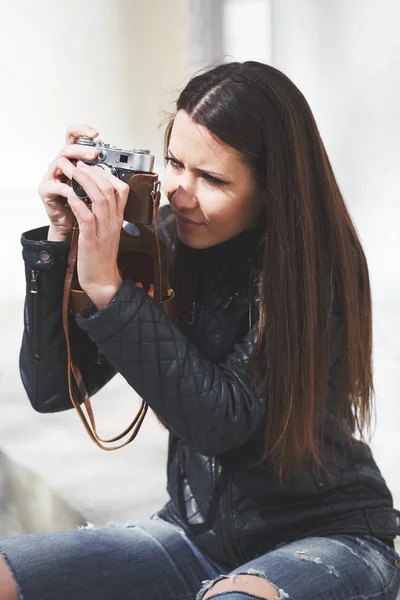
<point>213,173</point>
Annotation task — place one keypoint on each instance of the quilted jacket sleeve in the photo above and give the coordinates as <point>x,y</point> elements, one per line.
<point>43,355</point>
<point>212,407</point>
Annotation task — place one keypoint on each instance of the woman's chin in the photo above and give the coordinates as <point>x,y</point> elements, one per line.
<point>193,240</point>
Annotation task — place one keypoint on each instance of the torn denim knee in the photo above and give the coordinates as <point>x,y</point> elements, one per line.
<point>302,554</point>
<point>10,568</point>
<point>208,583</point>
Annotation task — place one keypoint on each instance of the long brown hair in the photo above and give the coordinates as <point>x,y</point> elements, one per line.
<point>311,254</point>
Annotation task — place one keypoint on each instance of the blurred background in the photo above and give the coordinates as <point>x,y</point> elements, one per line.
<point>118,65</point>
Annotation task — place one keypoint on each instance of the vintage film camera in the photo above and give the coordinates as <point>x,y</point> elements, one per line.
<point>143,258</point>
<point>127,165</point>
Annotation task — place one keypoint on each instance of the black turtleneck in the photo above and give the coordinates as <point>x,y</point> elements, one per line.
<point>230,265</point>
<point>245,245</point>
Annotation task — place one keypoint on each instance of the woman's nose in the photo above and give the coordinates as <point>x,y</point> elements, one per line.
<point>182,199</point>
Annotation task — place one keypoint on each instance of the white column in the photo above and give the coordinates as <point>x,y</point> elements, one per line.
<point>226,30</point>
<point>205,33</point>
<point>247,32</point>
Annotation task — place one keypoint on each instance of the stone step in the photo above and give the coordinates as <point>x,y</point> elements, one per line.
<point>28,504</point>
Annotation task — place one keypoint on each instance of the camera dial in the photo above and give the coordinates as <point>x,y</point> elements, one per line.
<point>84,140</point>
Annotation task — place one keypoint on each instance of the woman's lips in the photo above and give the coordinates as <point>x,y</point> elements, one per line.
<point>187,223</point>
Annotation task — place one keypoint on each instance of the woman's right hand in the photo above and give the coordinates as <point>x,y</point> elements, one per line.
<point>53,188</point>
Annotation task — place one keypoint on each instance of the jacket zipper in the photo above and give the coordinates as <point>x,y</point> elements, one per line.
<point>229,300</point>
<point>194,306</point>
<point>192,313</point>
<point>222,514</point>
<point>35,326</point>
<point>223,525</point>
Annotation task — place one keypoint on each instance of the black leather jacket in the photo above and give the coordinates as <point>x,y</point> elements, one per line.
<point>198,385</point>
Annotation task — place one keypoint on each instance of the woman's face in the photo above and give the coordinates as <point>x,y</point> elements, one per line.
<point>211,190</point>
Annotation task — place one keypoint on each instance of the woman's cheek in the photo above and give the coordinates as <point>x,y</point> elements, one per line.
<point>209,205</point>
<point>215,205</point>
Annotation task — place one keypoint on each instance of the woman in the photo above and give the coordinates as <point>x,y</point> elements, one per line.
<point>263,382</point>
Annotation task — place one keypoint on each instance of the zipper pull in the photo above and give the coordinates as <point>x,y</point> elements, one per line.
<point>100,357</point>
<point>227,303</point>
<point>192,312</point>
<point>34,287</point>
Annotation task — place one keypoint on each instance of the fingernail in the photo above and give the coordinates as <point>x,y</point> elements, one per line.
<point>90,155</point>
<point>81,164</point>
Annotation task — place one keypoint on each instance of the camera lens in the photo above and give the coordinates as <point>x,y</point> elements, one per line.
<point>78,190</point>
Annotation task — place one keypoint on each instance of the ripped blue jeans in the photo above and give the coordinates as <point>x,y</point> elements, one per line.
<point>155,560</point>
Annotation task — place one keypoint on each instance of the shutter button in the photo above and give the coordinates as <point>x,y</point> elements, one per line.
<point>44,255</point>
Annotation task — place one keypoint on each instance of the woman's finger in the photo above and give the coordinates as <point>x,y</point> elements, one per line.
<point>74,132</point>
<point>78,151</point>
<point>59,166</point>
<point>84,218</point>
<point>62,167</point>
<point>100,199</point>
<point>107,187</point>
<point>121,195</point>
<point>53,189</point>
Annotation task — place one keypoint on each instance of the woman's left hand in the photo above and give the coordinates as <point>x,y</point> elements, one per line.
<point>99,231</point>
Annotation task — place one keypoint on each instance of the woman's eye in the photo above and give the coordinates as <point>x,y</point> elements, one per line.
<point>208,178</point>
<point>172,162</point>
<point>213,180</point>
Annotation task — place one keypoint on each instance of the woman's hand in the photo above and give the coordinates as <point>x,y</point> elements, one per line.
<point>99,231</point>
<point>54,190</point>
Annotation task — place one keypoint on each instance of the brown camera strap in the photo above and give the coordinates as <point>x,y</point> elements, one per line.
<point>74,371</point>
